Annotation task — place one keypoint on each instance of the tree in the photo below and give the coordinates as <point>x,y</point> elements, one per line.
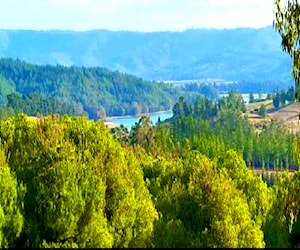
<point>15,101</point>
<point>102,113</point>
<point>142,133</point>
<point>282,97</point>
<point>276,100</point>
<point>11,220</point>
<point>251,97</point>
<point>202,204</point>
<point>290,94</point>
<point>296,151</point>
<point>204,108</point>
<point>82,188</point>
<point>269,96</point>
<point>282,224</point>
<point>233,102</point>
<point>182,108</point>
<point>120,133</point>
<point>287,23</point>
<point>262,111</point>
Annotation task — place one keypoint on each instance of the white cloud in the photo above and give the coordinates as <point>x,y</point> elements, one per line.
<point>146,15</point>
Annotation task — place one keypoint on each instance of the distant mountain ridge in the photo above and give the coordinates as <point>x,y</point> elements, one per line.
<point>229,54</point>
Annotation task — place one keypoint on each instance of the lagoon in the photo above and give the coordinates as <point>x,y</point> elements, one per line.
<point>129,121</point>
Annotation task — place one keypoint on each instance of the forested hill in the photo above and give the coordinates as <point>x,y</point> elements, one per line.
<point>229,54</point>
<point>98,92</point>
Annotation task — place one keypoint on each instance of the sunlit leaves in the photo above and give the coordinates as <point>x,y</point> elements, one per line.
<point>11,220</point>
<point>202,203</point>
<point>82,190</point>
<point>287,23</point>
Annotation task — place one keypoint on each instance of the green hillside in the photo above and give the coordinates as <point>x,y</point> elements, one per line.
<point>6,88</point>
<point>98,92</point>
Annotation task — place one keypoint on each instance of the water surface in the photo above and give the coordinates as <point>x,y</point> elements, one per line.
<point>128,122</point>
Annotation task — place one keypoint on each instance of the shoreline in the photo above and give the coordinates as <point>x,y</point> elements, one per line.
<point>109,118</point>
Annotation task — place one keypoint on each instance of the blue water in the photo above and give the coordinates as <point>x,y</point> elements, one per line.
<point>128,122</point>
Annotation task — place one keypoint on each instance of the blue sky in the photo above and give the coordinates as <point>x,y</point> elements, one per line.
<point>136,15</point>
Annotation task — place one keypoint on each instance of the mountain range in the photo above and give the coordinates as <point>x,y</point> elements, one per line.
<point>229,54</point>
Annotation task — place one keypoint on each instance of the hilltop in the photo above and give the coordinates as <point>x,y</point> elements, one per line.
<point>229,54</point>
<point>93,91</point>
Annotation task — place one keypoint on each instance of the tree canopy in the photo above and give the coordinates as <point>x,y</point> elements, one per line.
<point>287,23</point>
<point>96,92</point>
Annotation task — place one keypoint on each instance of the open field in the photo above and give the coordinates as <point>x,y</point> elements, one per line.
<point>287,115</point>
<point>288,112</point>
<point>255,105</point>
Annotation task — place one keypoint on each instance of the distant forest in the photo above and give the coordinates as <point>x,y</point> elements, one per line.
<point>96,92</point>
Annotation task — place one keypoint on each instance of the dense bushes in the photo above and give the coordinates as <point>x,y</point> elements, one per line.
<point>66,182</point>
<point>82,189</point>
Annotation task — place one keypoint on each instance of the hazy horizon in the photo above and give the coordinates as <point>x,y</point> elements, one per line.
<point>137,31</point>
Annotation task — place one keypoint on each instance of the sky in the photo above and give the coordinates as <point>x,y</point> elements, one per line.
<point>134,15</point>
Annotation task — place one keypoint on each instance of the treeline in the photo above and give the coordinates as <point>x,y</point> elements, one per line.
<point>281,97</point>
<point>224,125</point>
<point>95,92</point>
<point>207,90</point>
<point>212,128</point>
<point>66,182</point>
<point>255,86</point>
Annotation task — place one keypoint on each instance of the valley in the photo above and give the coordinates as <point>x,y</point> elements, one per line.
<point>150,139</point>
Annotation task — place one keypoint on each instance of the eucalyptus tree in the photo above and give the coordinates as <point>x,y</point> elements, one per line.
<point>287,23</point>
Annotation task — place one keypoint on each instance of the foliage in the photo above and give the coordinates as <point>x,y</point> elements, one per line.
<point>70,184</point>
<point>199,205</point>
<point>262,111</point>
<point>97,92</point>
<point>81,188</point>
<point>287,23</point>
<point>11,194</point>
<point>251,97</point>
<point>280,98</point>
<point>207,90</point>
<point>233,102</point>
<point>212,128</point>
<point>282,227</point>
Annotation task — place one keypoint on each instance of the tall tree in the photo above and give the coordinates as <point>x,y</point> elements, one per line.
<point>251,97</point>
<point>11,219</point>
<point>287,23</point>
